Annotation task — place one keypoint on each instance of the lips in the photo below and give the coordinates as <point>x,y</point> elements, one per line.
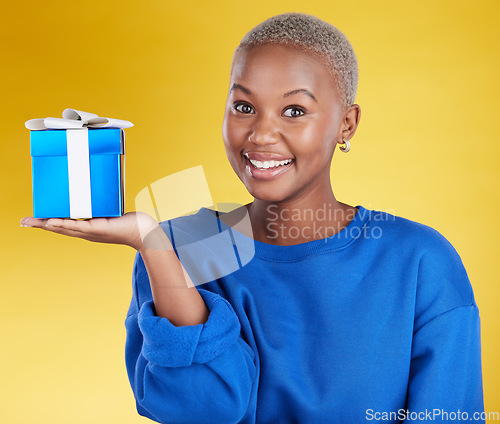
<point>267,166</point>
<point>265,156</point>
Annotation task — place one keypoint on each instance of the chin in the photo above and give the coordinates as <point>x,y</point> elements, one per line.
<point>268,194</point>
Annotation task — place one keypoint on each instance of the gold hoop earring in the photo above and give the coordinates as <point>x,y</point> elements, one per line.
<point>346,146</point>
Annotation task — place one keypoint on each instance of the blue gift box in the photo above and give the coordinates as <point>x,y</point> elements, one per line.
<point>56,185</point>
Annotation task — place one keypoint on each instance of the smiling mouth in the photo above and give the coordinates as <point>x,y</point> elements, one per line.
<point>267,169</point>
<point>269,164</point>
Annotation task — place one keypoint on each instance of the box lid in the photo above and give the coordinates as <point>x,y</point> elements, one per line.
<point>102,141</point>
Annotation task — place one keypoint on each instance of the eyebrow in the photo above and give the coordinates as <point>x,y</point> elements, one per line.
<point>290,93</point>
<point>301,90</point>
<point>240,87</point>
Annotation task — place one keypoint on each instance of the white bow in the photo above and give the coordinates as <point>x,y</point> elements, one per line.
<point>73,118</point>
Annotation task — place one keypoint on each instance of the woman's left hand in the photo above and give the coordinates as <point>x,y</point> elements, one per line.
<point>130,229</point>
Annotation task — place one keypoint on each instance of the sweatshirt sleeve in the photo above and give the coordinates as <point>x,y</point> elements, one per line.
<point>188,374</point>
<point>445,373</point>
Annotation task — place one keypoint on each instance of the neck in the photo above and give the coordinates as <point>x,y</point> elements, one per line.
<point>311,217</point>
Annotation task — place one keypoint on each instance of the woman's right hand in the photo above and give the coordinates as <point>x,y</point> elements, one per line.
<point>130,229</point>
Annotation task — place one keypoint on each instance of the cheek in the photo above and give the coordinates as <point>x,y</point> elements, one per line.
<point>312,142</point>
<point>233,134</point>
<point>232,144</point>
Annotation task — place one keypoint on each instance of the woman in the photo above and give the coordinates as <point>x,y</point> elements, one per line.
<point>342,315</point>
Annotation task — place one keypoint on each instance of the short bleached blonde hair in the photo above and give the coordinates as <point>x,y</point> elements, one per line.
<point>314,35</point>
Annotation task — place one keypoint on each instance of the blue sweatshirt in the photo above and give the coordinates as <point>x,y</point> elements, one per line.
<point>375,324</point>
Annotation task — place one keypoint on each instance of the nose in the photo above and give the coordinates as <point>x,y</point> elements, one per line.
<point>264,131</point>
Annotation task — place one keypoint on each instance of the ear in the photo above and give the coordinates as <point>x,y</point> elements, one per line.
<point>350,122</point>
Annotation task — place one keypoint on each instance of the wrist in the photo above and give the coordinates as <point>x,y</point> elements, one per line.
<point>152,240</point>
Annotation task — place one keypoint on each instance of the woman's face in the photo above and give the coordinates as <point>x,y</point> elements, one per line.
<point>282,121</point>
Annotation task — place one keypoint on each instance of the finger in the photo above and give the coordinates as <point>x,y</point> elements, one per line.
<point>56,225</point>
<point>69,224</point>
<point>29,221</point>
<point>63,231</point>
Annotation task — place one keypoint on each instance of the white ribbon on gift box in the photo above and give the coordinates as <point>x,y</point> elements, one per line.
<point>73,118</point>
<point>77,123</point>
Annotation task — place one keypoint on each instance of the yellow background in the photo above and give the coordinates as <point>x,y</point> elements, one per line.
<point>427,149</point>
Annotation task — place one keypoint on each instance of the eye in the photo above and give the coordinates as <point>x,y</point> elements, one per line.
<point>294,111</point>
<point>244,108</point>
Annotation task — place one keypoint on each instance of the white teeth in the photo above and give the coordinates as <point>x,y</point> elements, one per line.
<point>269,164</point>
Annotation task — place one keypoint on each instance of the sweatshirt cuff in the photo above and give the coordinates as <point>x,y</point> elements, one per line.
<point>169,346</point>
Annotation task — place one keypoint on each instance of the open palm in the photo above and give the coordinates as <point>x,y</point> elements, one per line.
<point>129,229</point>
